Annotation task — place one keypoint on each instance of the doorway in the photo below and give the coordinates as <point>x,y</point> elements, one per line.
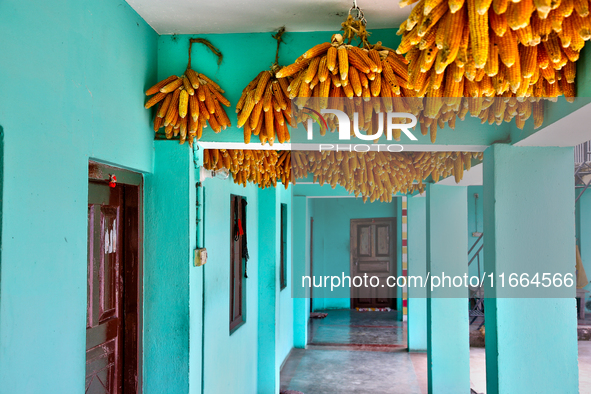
<point>113,324</point>
<point>373,253</point>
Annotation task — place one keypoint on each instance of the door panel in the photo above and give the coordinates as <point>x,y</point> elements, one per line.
<point>373,253</point>
<point>104,323</point>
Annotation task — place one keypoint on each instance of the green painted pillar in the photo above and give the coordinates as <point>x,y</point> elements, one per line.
<point>268,374</point>
<point>417,267</point>
<point>448,350</point>
<point>529,227</point>
<point>300,267</point>
<point>169,213</point>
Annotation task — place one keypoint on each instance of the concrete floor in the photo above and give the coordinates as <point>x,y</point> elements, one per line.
<point>365,352</point>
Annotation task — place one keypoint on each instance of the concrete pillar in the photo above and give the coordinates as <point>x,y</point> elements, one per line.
<point>417,266</point>
<point>268,374</point>
<point>169,217</point>
<point>300,266</point>
<point>529,226</point>
<point>448,350</point>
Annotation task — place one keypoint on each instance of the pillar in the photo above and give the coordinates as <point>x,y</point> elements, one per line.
<point>529,227</point>
<point>417,267</point>
<point>300,266</point>
<point>448,349</point>
<point>168,246</point>
<point>268,374</point>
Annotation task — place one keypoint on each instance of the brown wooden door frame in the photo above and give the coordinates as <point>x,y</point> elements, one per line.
<point>311,263</point>
<point>394,270</point>
<point>132,270</point>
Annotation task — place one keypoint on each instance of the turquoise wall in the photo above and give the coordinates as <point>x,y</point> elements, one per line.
<point>331,251</point>
<point>170,229</point>
<point>530,228</point>
<point>475,224</point>
<point>583,215</point>
<point>417,266</point>
<point>224,352</point>
<point>72,73</point>
<point>301,212</point>
<point>286,302</point>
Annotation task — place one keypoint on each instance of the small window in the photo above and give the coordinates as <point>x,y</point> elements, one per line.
<point>238,258</point>
<point>283,246</point>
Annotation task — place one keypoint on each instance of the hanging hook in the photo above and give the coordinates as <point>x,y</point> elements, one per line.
<point>357,13</point>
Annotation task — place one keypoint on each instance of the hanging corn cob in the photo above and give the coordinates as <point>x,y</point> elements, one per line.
<point>264,108</point>
<point>380,175</point>
<point>519,50</point>
<point>261,167</point>
<point>187,103</point>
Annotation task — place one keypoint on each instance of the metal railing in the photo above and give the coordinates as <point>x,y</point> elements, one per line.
<point>583,152</point>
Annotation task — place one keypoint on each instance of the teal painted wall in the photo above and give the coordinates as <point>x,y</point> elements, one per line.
<point>448,346</point>
<point>583,211</point>
<point>301,213</point>
<point>171,234</point>
<point>331,251</point>
<point>224,352</point>
<point>73,73</point>
<point>475,224</point>
<point>417,266</point>
<point>530,228</point>
<point>286,302</point>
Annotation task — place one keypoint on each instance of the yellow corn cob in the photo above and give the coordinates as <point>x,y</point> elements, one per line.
<point>455,5</point>
<point>266,99</point>
<point>316,50</point>
<point>163,109</point>
<point>552,47</point>
<point>248,107</point>
<point>482,6</point>
<point>543,6</point>
<point>292,69</point>
<point>538,112</point>
<point>549,74</point>
<point>364,57</point>
<point>498,23</point>
<point>262,86</point>
<point>173,108</point>
<point>218,96</point>
<point>157,123</point>
<point>187,85</point>
<point>193,78</point>
<point>343,63</point>
<point>430,20</point>
<point>568,89</point>
<point>500,6</point>
<point>581,7</point>
<point>156,88</point>
<point>507,46</point>
<point>331,58</point>
<point>478,25</point>
<point>565,8</point>
<point>209,101</point>
<point>323,71</point>
<point>155,99</point>
<point>528,59</point>
<point>312,70</point>
<point>183,103</point>
<point>355,82</point>
<point>171,86</point>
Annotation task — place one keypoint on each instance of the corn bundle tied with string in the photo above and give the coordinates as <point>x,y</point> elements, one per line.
<point>337,69</point>
<point>186,103</point>
<point>264,108</point>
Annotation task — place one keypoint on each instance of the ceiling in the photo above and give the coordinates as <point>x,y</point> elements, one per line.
<point>239,16</point>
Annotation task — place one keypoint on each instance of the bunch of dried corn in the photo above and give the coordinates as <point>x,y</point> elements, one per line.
<point>380,175</point>
<point>475,48</point>
<point>186,103</point>
<point>261,167</point>
<point>337,70</point>
<point>264,108</point>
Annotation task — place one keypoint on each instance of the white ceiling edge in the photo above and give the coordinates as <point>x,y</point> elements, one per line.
<point>239,16</point>
<point>471,178</point>
<point>572,130</point>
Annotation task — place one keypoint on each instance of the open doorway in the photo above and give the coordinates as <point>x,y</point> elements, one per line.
<point>113,325</point>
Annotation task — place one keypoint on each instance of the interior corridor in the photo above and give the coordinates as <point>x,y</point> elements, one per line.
<point>366,352</point>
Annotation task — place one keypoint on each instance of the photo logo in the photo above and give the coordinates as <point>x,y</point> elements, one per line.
<point>317,117</point>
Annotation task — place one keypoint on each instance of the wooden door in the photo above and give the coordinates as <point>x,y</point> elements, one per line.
<point>373,253</point>
<point>113,300</point>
